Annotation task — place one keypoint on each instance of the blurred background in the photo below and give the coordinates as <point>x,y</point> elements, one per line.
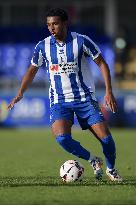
<point>110,23</point>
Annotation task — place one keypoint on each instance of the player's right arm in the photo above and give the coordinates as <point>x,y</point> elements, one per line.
<point>36,62</point>
<point>26,81</point>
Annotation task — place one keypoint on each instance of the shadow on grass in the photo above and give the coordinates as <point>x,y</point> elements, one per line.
<point>54,181</point>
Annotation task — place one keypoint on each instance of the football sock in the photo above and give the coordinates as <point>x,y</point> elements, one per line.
<point>72,146</point>
<point>109,151</point>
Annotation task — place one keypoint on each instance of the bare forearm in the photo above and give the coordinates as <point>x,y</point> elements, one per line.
<point>27,80</point>
<point>104,68</point>
<point>109,99</point>
<point>106,75</point>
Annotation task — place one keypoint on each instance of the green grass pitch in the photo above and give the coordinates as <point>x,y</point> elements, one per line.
<point>30,162</point>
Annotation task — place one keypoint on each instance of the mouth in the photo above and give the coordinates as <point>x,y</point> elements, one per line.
<point>53,33</point>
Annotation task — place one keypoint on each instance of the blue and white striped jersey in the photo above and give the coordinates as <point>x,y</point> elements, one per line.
<point>67,66</point>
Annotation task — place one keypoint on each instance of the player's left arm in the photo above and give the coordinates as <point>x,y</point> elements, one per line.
<point>109,99</point>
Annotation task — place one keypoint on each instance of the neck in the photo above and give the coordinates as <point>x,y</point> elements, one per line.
<point>62,37</point>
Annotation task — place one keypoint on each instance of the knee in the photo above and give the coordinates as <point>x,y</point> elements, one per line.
<point>60,127</point>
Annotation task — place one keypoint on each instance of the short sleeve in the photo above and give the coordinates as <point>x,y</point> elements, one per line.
<point>90,48</point>
<point>37,58</point>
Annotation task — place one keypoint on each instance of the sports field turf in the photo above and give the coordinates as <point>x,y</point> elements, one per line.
<point>30,162</point>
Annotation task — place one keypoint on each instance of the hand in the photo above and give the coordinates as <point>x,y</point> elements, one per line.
<point>14,101</point>
<point>109,101</point>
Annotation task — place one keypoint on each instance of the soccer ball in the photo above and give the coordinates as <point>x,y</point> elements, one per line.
<point>71,171</point>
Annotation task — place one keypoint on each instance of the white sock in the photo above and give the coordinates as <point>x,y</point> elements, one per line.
<point>108,169</point>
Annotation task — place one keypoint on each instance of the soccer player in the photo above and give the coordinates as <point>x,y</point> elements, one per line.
<point>64,55</point>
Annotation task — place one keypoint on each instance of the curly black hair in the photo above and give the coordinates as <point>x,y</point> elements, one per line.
<point>57,12</point>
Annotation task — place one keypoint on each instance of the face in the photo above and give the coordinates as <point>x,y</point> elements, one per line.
<point>56,26</point>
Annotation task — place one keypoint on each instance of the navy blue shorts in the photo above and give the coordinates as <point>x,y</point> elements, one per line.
<point>88,113</point>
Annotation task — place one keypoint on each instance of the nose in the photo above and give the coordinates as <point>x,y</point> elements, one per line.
<point>52,27</point>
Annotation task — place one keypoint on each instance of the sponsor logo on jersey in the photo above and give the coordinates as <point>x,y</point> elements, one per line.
<point>54,67</point>
<point>63,68</point>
